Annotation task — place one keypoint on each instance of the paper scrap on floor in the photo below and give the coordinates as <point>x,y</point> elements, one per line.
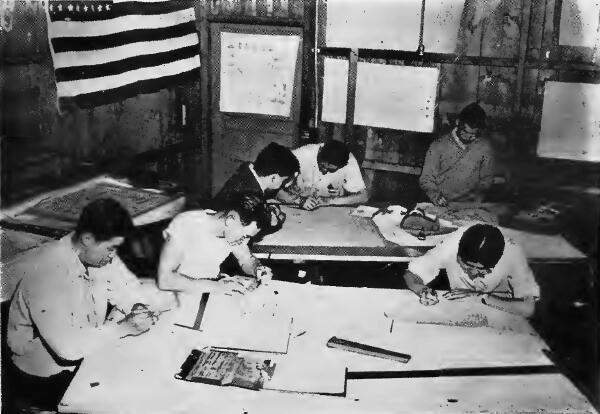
<point>364,211</point>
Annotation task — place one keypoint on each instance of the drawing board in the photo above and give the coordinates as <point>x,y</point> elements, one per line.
<point>326,226</point>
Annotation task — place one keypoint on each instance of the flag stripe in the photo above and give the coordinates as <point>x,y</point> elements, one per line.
<point>124,65</point>
<point>66,44</point>
<point>118,94</point>
<point>83,86</point>
<point>114,10</point>
<point>120,24</point>
<point>96,57</point>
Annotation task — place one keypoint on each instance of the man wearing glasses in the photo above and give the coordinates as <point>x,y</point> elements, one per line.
<point>459,166</point>
<point>329,175</point>
<point>479,261</point>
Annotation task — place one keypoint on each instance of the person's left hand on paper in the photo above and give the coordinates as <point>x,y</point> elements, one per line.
<point>457,294</point>
<point>264,274</point>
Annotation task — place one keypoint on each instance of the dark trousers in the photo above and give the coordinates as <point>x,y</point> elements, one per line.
<point>21,391</point>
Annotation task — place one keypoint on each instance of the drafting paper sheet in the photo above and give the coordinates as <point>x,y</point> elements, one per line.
<point>373,24</point>
<point>398,97</point>
<point>442,21</point>
<point>254,321</point>
<point>571,121</point>
<point>326,226</point>
<point>257,73</point>
<point>579,23</point>
<point>335,90</point>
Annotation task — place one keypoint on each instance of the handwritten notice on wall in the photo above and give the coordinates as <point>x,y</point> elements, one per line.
<point>257,73</point>
<point>397,97</point>
<point>579,22</point>
<point>570,121</point>
<point>335,90</point>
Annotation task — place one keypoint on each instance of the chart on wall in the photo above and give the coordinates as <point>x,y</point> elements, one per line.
<point>570,121</point>
<point>397,97</point>
<point>579,23</point>
<point>257,73</point>
<point>393,25</point>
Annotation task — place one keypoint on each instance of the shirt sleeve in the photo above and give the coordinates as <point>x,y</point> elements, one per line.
<point>63,321</point>
<point>353,181</point>
<point>430,173</point>
<point>487,168</point>
<point>520,277</point>
<point>428,266</point>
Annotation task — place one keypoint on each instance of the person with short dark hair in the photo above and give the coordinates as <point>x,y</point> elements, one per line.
<point>479,261</point>
<point>197,242</point>
<point>275,167</point>
<point>58,313</point>
<point>459,166</point>
<point>329,175</point>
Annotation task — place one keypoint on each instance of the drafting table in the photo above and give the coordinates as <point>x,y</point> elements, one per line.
<point>137,375</point>
<point>30,213</point>
<point>333,234</point>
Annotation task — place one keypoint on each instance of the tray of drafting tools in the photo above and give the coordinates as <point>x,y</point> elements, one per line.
<point>226,368</point>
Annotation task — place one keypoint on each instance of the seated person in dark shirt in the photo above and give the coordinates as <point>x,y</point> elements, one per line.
<point>275,167</point>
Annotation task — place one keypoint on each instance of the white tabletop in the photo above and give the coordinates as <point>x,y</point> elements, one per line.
<point>137,374</point>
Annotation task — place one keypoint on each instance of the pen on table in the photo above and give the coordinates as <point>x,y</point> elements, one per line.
<point>300,334</point>
<point>392,326</point>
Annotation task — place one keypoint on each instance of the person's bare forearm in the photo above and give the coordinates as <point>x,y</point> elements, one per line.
<point>519,306</point>
<point>353,198</point>
<point>414,282</point>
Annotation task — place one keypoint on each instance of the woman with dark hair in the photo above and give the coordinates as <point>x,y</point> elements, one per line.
<point>197,242</point>
<point>479,261</point>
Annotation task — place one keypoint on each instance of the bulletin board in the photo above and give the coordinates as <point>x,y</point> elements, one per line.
<point>259,72</point>
<point>570,121</point>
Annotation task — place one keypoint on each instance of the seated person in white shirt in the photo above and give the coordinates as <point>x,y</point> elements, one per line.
<point>58,313</point>
<point>329,175</point>
<point>479,261</point>
<point>197,242</point>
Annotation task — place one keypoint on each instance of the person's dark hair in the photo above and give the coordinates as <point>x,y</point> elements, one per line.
<point>481,243</point>
<point>250,208</point>
<point>104,218</point>
<point>276,159</point>
<point>473,115</point>
<point>335,152</point>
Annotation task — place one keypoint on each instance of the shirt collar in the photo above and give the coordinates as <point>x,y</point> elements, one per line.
<point>72,255</point>
<point>457,140</point>
<point>256,177</point>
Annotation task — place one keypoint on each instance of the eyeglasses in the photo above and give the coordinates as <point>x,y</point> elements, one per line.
<point>464,129</point>
<point>475,266</point>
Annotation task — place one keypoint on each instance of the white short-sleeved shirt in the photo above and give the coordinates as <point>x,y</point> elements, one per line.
<point>311,181</point>
<point>202,250</point>
<point>511,276</point>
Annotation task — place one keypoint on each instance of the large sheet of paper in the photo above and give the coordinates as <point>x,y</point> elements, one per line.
<point>393,25</point>
<point>258,72</point>
<point>398,97</point>
<point>579,22</point>
<point>571,121</point>
<point>373,24</point>
<point>326,226</point>
<point>442,22</point>
<point>335,90</point>
<point>254,321</point>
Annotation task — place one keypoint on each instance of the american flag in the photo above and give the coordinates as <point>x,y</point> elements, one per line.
<point>106,51</point>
